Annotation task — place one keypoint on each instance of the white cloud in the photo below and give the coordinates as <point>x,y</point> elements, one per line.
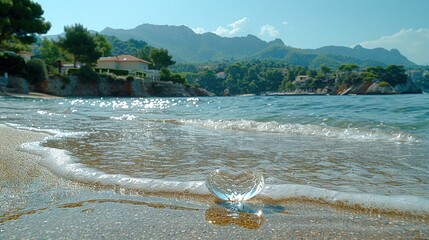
<point>269,30</point>
<point>199,30</point>
<point>286,23</point>
<point>233,28</point>
<point>239,23</point>
<point>412,43</point>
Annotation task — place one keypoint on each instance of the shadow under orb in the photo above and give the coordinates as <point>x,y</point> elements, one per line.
<point>250,216</point>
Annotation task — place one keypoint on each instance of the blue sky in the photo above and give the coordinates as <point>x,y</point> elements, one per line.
<point>400,24</point>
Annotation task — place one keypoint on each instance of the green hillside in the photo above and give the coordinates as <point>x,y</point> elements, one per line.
<point>188,47</point>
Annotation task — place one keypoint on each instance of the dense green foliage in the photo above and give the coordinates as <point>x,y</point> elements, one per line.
<point>167,75</point>
<point>259,77</point>
<point>36,71</point>
<point>117,72</point>
<point>50,52</point>
<point>12,64</point>
<point>21,20</point>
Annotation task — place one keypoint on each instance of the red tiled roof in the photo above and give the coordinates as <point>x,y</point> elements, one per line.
<point>122,58</point>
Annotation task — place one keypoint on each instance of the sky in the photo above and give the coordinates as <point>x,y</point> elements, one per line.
<point>399,24</point>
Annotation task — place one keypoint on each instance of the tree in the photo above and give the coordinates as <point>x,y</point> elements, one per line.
<point>160,58</point>
<point>21,19</point>
<point>166,75</point>
<point>378,72</point>
<point>103,46</point>
<point>210,82</point>
<point>348,67</point>
<point>11,63</point>
<point>289,86</point>
<point>324,70</point>
<point>396,75</point>
<point>144,53</point>
<point>79,42</point>
<point>50,52</point>
<point>274,78</point>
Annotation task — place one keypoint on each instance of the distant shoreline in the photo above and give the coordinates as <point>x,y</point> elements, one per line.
<point>47,96</point>
<point>327,94</point>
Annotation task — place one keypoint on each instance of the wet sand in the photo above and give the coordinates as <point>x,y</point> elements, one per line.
<point>36,204</point>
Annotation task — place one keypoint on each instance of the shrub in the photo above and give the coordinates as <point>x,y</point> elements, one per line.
<point>52,70</point>
<point>36,71</point>
<point>86,73</point>
<point>72,71</point>
<point>117,72</point>
<point>11,63</point>
<point>140,74</point>
<point>130,78</point>
<point>384,84</point>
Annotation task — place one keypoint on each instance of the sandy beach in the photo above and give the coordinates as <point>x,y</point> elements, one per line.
<point>36,204</point>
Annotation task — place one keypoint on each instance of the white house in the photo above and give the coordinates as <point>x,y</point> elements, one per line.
<point>26,55</point>
<point>301,80</point>
<point>130,63</point>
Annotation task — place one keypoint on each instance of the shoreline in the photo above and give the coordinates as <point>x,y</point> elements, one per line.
<point>29,95</point>
<point>35,203</point>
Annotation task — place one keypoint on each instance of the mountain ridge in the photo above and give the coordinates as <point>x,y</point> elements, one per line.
<point>187,46</point>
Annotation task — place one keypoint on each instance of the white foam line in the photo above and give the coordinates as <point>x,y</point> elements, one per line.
<point>55,133</point>
<point>401,203</point>
<point>59,162</point>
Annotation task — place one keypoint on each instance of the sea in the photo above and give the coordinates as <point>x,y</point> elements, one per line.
<point>367,151</point>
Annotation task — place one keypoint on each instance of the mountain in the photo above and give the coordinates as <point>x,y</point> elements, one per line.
<point>187,46</point>
<point>358,52</point>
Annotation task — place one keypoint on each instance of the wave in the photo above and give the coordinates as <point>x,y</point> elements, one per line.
<point>54,133</point>
<point>62,164</point>
<point>355,134</point>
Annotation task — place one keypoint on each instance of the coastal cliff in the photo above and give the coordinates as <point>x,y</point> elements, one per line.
<point>114,87</point>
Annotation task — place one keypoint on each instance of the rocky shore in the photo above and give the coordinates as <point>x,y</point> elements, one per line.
<point>359,89</point>
<point>377,88</point>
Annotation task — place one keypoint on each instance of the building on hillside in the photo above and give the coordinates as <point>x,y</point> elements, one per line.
<point>301,80</point>
<point>221,75</point>
<point>26,55</point>
<point>415,75</point>
<point>129,63</point>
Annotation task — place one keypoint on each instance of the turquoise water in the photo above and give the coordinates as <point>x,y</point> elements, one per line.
<point>369,150</point>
